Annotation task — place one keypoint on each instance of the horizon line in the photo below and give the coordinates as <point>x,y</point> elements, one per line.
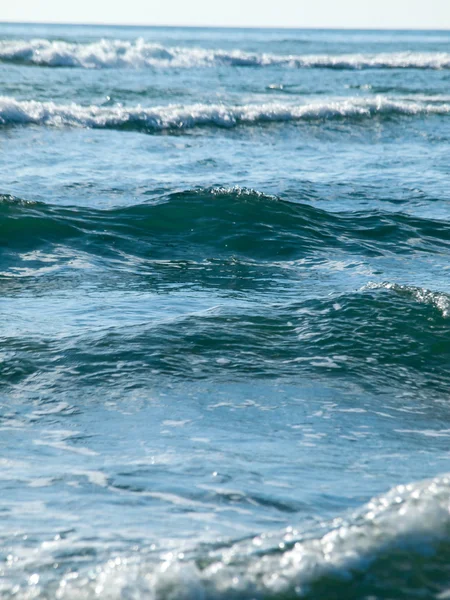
<point>191,26</point>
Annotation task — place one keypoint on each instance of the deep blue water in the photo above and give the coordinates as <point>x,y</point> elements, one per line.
<point>225,313</point>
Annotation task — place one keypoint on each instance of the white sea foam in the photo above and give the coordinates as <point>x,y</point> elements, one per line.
<point>439,300</point>
<point>406,530</point>
<point>139,53</point>
<point>15,112</point>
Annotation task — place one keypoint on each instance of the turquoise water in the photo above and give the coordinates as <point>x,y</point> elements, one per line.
<point>225,313</point>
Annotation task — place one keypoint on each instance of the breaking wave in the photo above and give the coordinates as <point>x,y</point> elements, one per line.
<point>180,117</point>
<point>441,301</point>
<point>397,546</point>
<point>141,54</point>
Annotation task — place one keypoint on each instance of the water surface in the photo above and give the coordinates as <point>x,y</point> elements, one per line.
<point>225,303</point>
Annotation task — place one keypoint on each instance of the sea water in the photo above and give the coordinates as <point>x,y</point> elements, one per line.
<point>225,313</point>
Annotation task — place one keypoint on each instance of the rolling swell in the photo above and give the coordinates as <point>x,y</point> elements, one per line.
<point>108,54</point>
<point>196,231</point>
<point>333,336</point>
<point>225,222</point>
<point>396,546</point>
<point>180,117</point>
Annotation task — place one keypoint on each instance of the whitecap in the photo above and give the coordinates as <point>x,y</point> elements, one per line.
<point>368,549</point>
<point>139,53</point>
<point>173,117</point>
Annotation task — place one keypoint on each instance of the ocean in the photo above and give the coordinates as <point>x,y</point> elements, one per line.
<point>225,314</point>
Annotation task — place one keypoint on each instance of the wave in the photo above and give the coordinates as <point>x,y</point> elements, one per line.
<point>140,54</point>
<point>294,341</point>
<point>219,222</point>
<point>180,117</point>
<point>230,238</point>
<point>396,546</point>
<point>313,337</point>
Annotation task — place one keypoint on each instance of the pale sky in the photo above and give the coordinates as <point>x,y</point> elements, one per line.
<point>403,14</point>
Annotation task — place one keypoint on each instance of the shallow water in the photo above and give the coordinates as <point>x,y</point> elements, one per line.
<point>225,304</point>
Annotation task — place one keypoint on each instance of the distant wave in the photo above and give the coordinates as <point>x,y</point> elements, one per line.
<point>179,117</point>
<point>140,54</point>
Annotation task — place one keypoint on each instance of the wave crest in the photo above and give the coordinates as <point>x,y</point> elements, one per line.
<point>403,535</point>
<point>439,300</point>
<point>404,531</point>
<point>222,220</point>
<point>141,54</point>
<point>181,117</point>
